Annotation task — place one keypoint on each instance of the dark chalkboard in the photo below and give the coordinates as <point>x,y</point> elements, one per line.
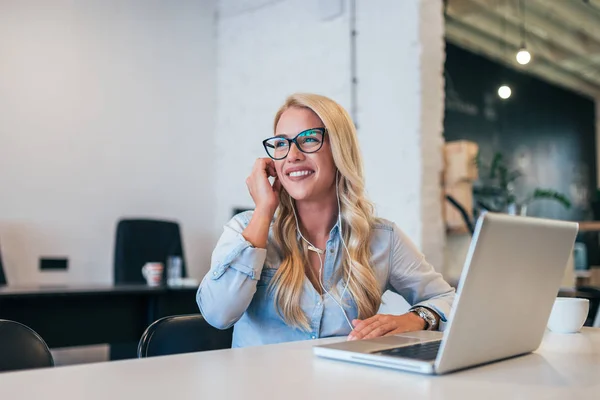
<point>545,131</point>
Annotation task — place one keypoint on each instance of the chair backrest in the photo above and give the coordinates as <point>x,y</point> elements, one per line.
<point>182,334</point>
<point>22,348</point>
<point>238,210</point>
<point>139,241</point>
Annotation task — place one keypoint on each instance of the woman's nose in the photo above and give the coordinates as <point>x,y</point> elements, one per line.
<point>295,153</point>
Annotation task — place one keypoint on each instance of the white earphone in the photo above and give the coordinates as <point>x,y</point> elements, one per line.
<point>312,247</point>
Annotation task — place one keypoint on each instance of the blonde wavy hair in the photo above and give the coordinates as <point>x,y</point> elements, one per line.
<point>356,213</point>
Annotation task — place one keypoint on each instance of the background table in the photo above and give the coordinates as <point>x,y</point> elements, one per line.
<point>76,315</point>
<point>565,367</point>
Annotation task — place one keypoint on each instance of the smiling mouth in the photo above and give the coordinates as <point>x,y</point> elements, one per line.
<point>298,174</point>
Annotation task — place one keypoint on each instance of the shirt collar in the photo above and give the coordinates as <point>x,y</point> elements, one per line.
<point>334,232</point>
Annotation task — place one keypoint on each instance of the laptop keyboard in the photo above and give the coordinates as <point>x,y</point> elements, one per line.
<point>422,351</point>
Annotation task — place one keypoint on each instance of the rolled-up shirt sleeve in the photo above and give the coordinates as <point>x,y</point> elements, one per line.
<point>412,277</point>
<point>227,289</point>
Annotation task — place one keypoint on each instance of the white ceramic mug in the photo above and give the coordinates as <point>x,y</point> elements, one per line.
<point>568,314</point>
<point>153,272</point>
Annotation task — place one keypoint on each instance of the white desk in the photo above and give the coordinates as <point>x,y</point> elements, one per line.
<point>565,367</point>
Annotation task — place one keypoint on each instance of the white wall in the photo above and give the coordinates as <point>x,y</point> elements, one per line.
<point>264,54</point>
<point>106,110</point>
<point>268,50</point>
<point>401,107</point>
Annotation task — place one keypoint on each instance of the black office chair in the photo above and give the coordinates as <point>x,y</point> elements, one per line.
<point>463,213</point>
<point>182,334</point>
<point>139,241</point>
<point>22,348</point>
<point>238,210</point>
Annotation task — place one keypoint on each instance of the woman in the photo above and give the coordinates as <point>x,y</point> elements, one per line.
<point>311,260</point>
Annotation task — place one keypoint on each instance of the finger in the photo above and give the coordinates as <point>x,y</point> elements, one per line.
<point>266,168</point>
<point>364,327</point>
<point>259,172</point>
<point>271,171</point>
<point>368,329</point>
<point>380,331</point>
<point>360,324</point>
<point>264,160</point>
<point>269,161</point>
<point>358,327</point>
<point>355,323</point>
<point>260,164</point>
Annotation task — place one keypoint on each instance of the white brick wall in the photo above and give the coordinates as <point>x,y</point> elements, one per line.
<point>433,56</point>
<point>400,74</point>
<point>269,49</point>
<point>389,98</point>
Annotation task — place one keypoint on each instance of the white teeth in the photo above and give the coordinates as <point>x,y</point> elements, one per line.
<point>300,173</point>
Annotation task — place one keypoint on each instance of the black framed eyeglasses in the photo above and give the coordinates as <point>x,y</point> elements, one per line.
<point>308,141</point>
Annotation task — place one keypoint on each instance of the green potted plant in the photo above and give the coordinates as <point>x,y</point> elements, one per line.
<point>495,189</point>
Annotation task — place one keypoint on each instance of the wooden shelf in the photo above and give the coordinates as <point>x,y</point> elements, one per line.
<point>589,226</point>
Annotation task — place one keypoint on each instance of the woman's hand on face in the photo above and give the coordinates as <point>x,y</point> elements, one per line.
<point>385,325</point>
<point>265,195</point>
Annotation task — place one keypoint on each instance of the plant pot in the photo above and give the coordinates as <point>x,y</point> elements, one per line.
<point>517,209</point>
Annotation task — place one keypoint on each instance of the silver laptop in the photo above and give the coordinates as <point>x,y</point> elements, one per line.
<point>510,279</point>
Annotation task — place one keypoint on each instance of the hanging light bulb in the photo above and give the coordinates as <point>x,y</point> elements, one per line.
<point>504,92</point>
<point>523,56</point>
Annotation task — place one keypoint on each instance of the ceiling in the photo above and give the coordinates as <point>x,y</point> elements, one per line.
<point>563,37</point>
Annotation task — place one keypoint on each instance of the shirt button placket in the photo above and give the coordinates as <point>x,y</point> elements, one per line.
<point>317,319</point>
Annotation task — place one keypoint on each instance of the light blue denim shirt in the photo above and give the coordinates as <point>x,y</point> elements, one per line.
<point>235,289</point>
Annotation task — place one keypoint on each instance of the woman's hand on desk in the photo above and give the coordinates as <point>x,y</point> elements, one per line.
<point>384,325</point>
